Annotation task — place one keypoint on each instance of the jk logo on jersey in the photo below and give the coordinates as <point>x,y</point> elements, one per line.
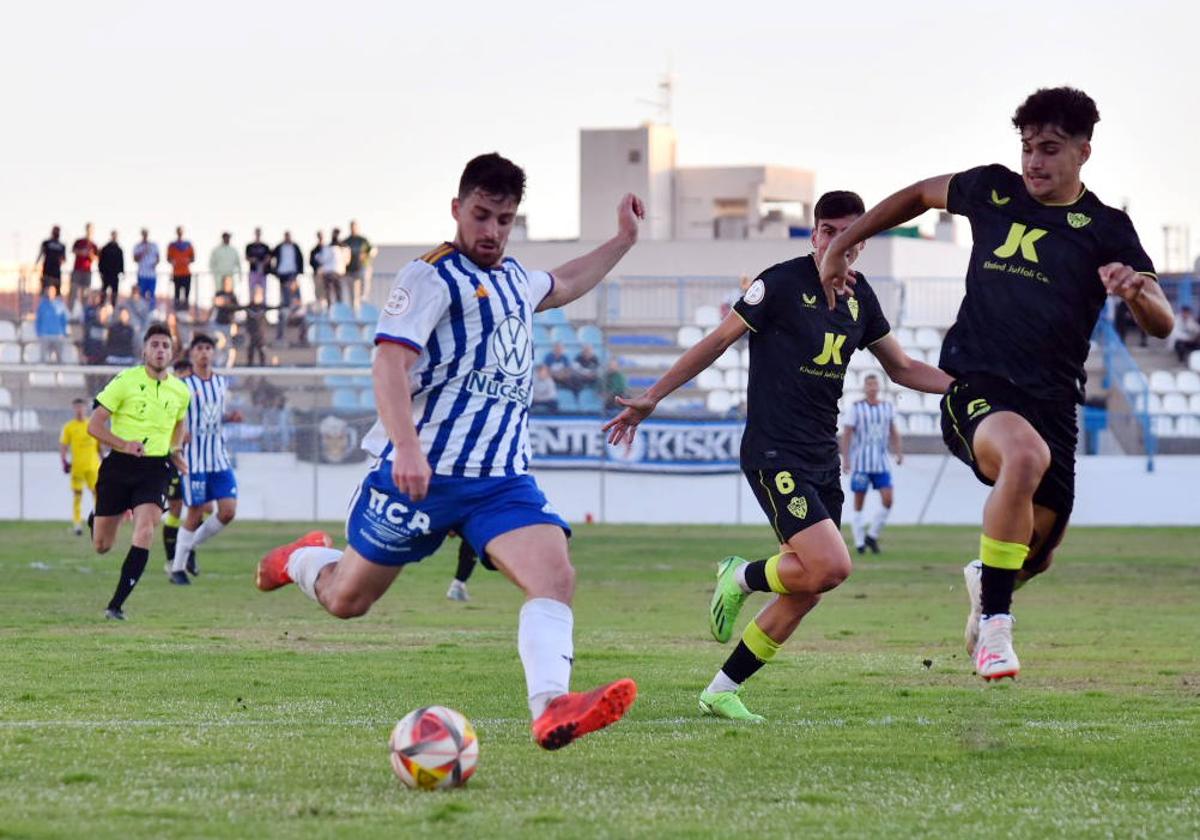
<point>832,352</point>
<point>1023,238</point>
<point>511,346</point>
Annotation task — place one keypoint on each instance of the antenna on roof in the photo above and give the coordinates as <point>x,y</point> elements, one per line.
<point>664,102</point>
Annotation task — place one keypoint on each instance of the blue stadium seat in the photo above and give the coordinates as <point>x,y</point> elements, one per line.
<point>567,401</point>
<point>541,334</point>
<point>366,398</point>
<point>345,398</point>
<point>362,382</point>
<point>347,334</point>
<point>341,313</point>
<point>368,313</point>
<point>589,400</point>
<point>591,334</point>
<point>368,333</point>
<point>339,380</point>
<point>640,340</point>
<point>357,354</point>
<point>564,333</point>
<point>328,356</point>
<point>550,317</point>
<point>321,333</point>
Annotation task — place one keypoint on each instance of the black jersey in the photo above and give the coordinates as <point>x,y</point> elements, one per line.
<point>799,350</point>
<point>1033,283</point>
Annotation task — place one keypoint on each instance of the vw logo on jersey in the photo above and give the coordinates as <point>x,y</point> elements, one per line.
<point>511,346</point>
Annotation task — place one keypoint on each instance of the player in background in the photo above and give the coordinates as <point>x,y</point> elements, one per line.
<point>139,416</point>
<point>182,369</point>
<point>210,475</point>
<point>799,352</point>
<point>869,429</point>
<point>83,463</point>
<point>453,376</point>
<point>467,560</point>
<point>1046,254</point>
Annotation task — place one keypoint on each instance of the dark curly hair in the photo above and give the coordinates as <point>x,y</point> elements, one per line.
<point>492,174</point>
<point>1068,108</point>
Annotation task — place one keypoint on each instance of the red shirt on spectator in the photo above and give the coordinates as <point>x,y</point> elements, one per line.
<point>85,251</point>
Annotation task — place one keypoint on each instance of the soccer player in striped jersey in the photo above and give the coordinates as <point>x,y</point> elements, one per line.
<point>453,374</point>
<point>870,427</point>
<point>210,475</point>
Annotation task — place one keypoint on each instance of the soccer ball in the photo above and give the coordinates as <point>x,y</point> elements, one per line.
<point>434,747</point>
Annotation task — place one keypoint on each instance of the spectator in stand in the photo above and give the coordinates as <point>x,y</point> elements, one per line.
<point>586,370</point>
<point>178,347</point>
<point>51,256</point>
<point>85,252</point>
<point>256,325</point>
<point>181,255</point>
<point>614,385</point>
<point>286,261</point>
<point>112,267</point>
<point>545,392</point>
<point>51,324</point>
<point>314,261</point>
<point>93,327</point>
<point>359,253</point>
<point>145,254</point>
<point>224,261</point>
<point>560,366</point>
<point>1123,322</point>
<point>258,261</point>
<point>329,268</point>
<point>1186,337</point>
<point>224,309</point>
<point>119,348</point>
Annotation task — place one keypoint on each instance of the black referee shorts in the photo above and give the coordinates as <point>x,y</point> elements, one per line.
<point>976,396</point>
<point>795,498</point>
<point>126,482</point>
<point>174,484</point>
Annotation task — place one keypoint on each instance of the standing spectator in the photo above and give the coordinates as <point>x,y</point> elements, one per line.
<point>560,366</point>
<point>314,261</point>
<point>118,347</point>
<point>286,261</point>
<point>51,324</point>
<point>85,252</point>
<point>545,392</point>
<point>181,255</point>
<point>258,261</point>
<point>329,268</point>
<point>224,261</point>
<point>93,326</point>
<point>358,267</point>
<point>614,385</point>
<point>225,308</point>
<point>256,325</point>
<point>145,254</point>
<point>51,256</point>
<point>1186,336</point>
<point>112,266</point>
<point>586,370</point>
<point>1124,322</point>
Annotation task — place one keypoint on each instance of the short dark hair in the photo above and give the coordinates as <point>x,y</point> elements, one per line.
<point>202,338</point>
<point>181,364</point>
<point>838,204</point>
<point>79,401</point>
<point>157,329</point>
<point>492,174</point>
<point>1068,108</point>
<point>874,376</point>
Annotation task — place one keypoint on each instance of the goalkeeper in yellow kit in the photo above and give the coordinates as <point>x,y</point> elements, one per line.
<point>80,453</point>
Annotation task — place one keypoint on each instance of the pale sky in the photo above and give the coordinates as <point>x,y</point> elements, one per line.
<point>303,115</point>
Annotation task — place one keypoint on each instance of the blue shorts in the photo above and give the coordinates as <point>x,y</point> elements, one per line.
<point>200,488</point>
<point>861,481</point>
<point>146,287</point>
<point>387,527</point>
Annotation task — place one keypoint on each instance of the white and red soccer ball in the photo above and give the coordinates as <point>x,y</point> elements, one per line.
<point>434,747</point>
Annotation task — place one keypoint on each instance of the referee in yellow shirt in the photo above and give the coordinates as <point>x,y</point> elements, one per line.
<point>140,416</point>
<point>84,462</point>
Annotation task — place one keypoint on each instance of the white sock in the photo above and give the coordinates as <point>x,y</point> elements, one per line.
<point>856,525</point>
<point>208,529</point>
<point>305,564</point>
<point>739,574</point>
<point>722,682</point>
<point>880,520</point>
<point>547,653</point>
<point>184,541</point>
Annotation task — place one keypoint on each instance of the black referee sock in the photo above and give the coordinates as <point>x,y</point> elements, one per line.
<point>466,561</point>
<point>742,664</point>
<point>170,537</point>
<point>997,585</point>
<point>131,573</point>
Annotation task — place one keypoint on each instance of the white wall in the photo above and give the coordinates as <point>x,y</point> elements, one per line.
<point>1112,490</point>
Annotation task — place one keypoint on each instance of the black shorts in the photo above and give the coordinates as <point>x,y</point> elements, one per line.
<point>795,498</point>
<point>977,395</point>
<point>126,482</point>
<point>174,485</point>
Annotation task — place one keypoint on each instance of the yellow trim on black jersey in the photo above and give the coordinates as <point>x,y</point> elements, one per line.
<point>881,338</point>
<point>438,254</point>
<point>744,321</point>
<point>1082,192</point>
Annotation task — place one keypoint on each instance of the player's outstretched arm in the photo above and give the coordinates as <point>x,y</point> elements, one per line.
<point>896,209</point>
<point>894,439</point>
<point>907,371</point>
<point>393,397</point>
<point>579,276</point>
<point>177,436</point>
<point>1147,303</point>
<point>697,358</point>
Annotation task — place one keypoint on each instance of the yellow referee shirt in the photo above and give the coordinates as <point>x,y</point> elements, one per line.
<point>145,409</point>
<point>85,449</point>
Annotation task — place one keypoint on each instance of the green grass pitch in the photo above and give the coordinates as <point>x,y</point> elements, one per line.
<point>218,711</point>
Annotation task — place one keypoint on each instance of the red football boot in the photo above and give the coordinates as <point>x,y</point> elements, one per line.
<point>577,713</point>
<point>272,569</point>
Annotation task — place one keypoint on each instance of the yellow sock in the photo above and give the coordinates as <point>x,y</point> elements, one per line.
<point>170,521</point>
<point>1002,555</point>
<point>76,498</point>
<point>760,644</point>
<point>772,572</point>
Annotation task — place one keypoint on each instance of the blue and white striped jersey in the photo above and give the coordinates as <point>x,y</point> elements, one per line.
<point>205,451</point>
<point>473,383</point>
<point>872,425</point>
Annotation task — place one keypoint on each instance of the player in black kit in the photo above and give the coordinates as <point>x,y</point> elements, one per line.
<point>799,351</point>
<point>1046,254</point>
